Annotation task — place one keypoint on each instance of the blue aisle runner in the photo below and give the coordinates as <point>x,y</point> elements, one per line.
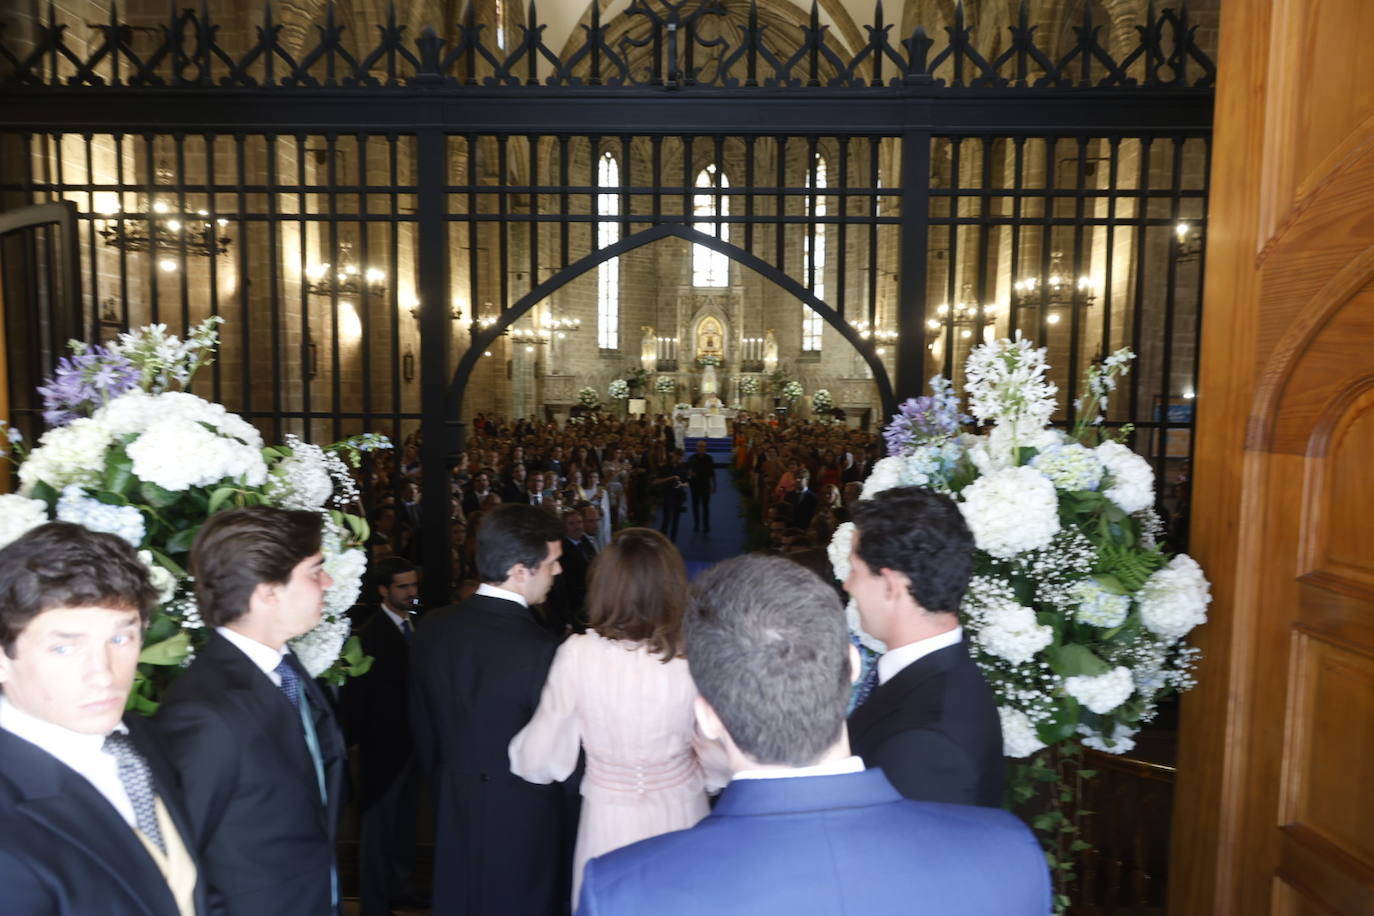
<point>729,534</point>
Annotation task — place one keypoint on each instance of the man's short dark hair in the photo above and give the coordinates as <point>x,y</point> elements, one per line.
<point>768,648</point>
<point>238,550</point>
<point>921,533</point>
<point>514,534</point>
<point>386,571</point>
<point>61,565</point>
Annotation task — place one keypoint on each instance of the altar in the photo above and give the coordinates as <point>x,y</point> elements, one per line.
<point>699,422</point>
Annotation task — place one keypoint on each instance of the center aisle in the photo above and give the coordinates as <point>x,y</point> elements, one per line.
<point>729,534</point>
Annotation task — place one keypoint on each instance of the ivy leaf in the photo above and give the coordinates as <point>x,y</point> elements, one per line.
<point>171,565</point>
<point>42,490</point>
<point>157,497</point>
<point>168,652</point>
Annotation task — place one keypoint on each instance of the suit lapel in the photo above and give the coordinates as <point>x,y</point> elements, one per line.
<point>887,699</point>
<point>65,803</point>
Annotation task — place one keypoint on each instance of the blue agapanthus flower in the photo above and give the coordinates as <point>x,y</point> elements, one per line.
<point>929,417</point>
<point>84,381</point>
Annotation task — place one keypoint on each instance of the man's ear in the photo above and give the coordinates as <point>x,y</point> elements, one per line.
<point>708,723</point>
<point>263,595</point>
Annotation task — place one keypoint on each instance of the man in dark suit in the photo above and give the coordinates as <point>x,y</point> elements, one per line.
<point>250,734</point>
<point>376,718</point>
<point>803,828</point>
<point>478,669</point>
<point>476,492</point>
<point>802,500</point>
<point>701,475</point>
<point>563,611</point>
<point>90,820</point>
<point>931,723</point>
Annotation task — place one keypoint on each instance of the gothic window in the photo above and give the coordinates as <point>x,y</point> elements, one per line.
<point>813,256</point>
<point>500,24</point>
<point>709,267</point>
<point>608,273</point>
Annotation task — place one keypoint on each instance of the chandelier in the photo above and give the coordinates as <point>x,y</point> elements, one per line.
<point>159,227</point>
<point>1058,290</point>
<point>347,280</point>
<point>961,316</point>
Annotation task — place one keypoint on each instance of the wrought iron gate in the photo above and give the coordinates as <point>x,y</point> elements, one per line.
<point>347,205</point>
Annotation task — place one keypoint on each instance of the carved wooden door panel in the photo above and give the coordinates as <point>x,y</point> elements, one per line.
<point>1275,811</point>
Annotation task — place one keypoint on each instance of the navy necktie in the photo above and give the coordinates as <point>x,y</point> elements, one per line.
<point>290,682</point>
<point>138,783</point>
<point>406,630</point>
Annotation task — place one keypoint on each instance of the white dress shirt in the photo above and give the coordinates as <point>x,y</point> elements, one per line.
<point>496,591</point>
<point>851,764</point>
<point>265,657</point>
<point>397,619</point>
<point>896,659</point>
<point>80,752</point>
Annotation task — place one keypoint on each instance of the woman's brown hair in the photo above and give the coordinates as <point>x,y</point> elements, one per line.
<point>637,590</point>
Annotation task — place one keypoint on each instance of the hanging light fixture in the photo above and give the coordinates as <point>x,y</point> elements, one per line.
<point>1058,290</point>
<point>1188,238</point>
<point>961,316</point>
<point>159,227</point>
<point>347,280</point>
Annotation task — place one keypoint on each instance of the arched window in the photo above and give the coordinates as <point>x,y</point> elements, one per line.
<point>709,267</point>
<point>608,273</point>
<point>813,256</point>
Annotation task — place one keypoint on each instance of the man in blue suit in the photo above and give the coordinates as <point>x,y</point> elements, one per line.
<point>803,828</point>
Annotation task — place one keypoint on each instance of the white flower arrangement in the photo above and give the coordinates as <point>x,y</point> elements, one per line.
<point>126,455</point>
<point>587,397</point>
<point>1075,613</point>
<point>749,384</point>
<point>618,389</point>
<point>838,550</point>
<point>665,384</point>
<point>793,390</point>
<point>821,401</point>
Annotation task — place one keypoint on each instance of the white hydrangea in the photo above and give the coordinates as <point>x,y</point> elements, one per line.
<point>74,453</point>
<point>1018,735</point>
<point>1174,599</point>
<point>320,648</point>
<point>1070,466</point>
<point>840,543</point>
<point>1010,511</point>
<point>1131,477</point>
<point>301,481</point>
<point>20,515</point>
<point>162,579</point>
<point>998,449</point>
<point>887,473</point>
<point>1101,693</point>
<point>856,626</point>
<point>1011,631</point>
<point>1121,740</point>
<point>177,453</point>
<point>1097,606</point>
<point>79,509</point>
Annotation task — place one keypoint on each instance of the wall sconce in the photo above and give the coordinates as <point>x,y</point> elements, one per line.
<point>408,365</point>
<point>453,311</point>
<point>1188,238</point>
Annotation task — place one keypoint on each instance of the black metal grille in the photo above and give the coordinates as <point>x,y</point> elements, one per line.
<point>465,174</point>
<point>657,43</point>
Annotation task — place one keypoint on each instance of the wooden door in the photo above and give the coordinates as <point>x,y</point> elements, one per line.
<point>1275,808</point>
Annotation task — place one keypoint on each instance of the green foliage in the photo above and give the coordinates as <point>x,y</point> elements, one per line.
<point>1128,566</point>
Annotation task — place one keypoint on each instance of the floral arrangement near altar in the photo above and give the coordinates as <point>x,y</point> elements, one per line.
<point>618,389</point>
<point>822,402</point>
<point>791,390</point>
<point>705,361</point>
<point>129,451</point>
<point>665,384</point>
<point>749,384</point>
<point>587,397</point>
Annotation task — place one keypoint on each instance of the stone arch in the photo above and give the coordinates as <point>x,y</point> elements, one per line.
<point>483,338</point>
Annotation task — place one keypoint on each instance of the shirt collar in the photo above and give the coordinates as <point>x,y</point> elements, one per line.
<point>897,659</point>
<point>265,657</point>
<point>496,591</point>
<point>63,743</point>
<point>395,617</point>
<point>851,764</point>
